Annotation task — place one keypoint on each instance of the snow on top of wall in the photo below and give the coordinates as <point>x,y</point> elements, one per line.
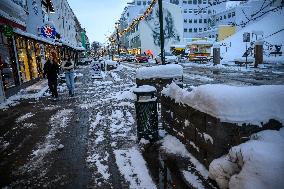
<point>245,104</point>
<point>144,88</point>
<point>257,163</point>
<point>162,71</point>
<point>275,22</point>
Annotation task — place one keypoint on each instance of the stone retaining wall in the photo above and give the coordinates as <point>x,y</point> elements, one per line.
<point>206,137</point>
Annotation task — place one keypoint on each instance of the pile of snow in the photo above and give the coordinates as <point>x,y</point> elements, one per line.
<point>258,163</point>
<point>245,104</point>
<point>173,146</point>
<point>275,22</point>
<point>162,71</point>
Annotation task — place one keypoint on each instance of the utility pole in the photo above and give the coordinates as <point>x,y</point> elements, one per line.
<point>117,36</point>
<point>162,39</point>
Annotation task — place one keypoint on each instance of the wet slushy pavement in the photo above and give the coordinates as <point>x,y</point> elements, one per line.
<point>89,141</point>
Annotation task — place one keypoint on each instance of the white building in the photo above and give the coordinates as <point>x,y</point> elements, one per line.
<point>145,35</point>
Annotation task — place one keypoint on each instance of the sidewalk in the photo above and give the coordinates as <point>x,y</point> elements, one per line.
<point>88,141</point>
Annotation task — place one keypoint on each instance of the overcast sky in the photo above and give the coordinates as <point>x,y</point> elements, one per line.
<point>98,16</point>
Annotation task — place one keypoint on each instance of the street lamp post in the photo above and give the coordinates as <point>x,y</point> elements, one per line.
<point>161,19</point>
<point>117,35</point>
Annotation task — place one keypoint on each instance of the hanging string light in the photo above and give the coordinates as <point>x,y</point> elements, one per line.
<point>135,21</point>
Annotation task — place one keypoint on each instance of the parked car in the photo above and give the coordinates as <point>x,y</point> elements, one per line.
<point>141,58</point>
<point>116,58</point>
<point>169,58</point>
<point>130,58</point>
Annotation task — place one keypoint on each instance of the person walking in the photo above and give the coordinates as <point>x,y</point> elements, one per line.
<point>51,70</point>
<point>68,67</point>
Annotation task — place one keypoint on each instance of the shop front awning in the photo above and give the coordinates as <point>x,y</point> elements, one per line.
<point>46,40</point>
<point>35,37</point>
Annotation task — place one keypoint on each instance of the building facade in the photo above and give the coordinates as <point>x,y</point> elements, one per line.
<point>30,31</point>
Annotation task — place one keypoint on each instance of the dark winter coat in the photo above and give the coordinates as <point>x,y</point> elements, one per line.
<point>51,70</point>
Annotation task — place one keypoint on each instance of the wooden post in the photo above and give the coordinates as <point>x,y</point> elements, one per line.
<point>258,53</point>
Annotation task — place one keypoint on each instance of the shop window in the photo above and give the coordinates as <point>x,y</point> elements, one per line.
<point>7,63</point>
<point>32,59</point>
<point>23,60</point>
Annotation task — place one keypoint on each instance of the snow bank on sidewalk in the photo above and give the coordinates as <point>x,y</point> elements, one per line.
<point>163,71</point>
<point>133,167</point>
<point>35,91</point>
<point>245,104</point>
<point>258,163</point>
<point>173,146</point>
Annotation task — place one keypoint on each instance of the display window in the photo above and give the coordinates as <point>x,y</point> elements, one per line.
<point>31,53</point>
<point>7,62</point>
<point>25,73</point>
<point>39,58</point>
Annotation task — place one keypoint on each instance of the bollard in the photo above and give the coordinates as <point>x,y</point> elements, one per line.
<point>258,52</point>
<point>146,113</point>
<point>2,94</point>
<point>216,54</point>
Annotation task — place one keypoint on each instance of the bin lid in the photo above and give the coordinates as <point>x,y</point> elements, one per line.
<point>144,89</point>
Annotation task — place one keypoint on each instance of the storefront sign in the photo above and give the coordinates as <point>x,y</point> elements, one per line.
<point>48,31</point>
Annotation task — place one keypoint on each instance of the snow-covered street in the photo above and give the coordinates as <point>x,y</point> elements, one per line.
<point>85,141</point>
